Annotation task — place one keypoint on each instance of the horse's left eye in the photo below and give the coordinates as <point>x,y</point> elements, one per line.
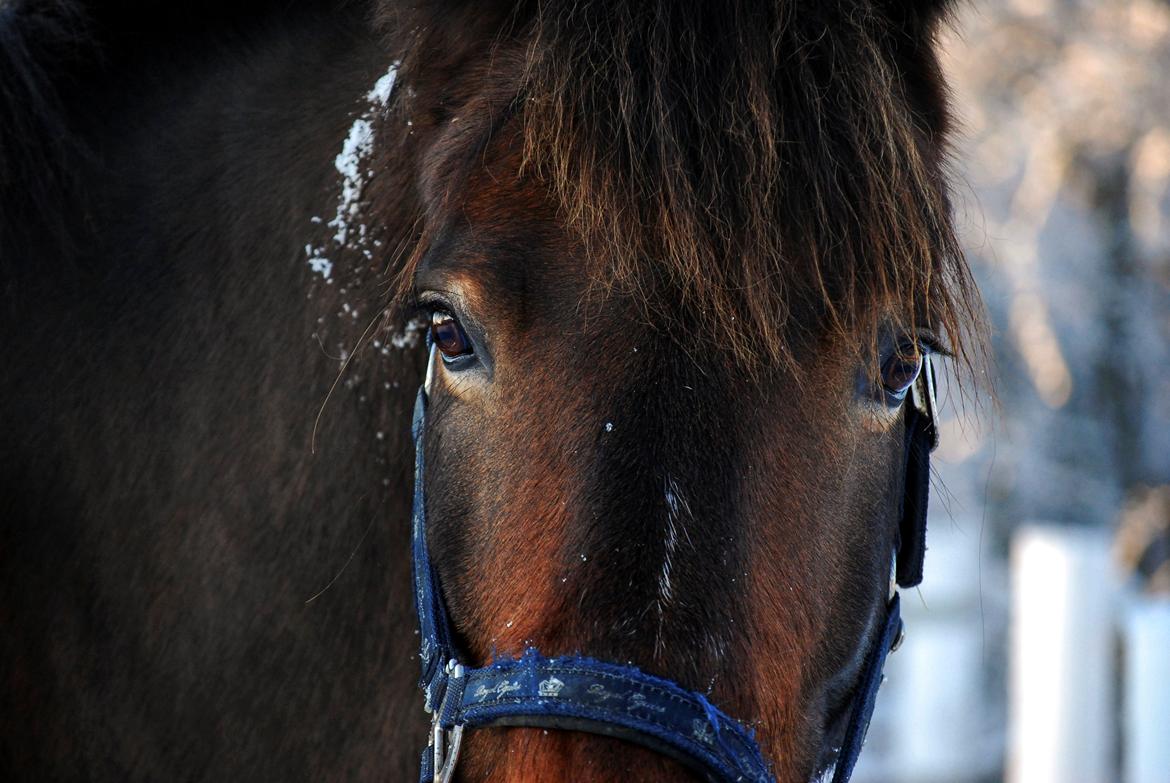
<point>900,371</point>
<point>448,336</point>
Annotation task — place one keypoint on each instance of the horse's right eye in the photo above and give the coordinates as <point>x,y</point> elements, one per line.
<point>449,337</point>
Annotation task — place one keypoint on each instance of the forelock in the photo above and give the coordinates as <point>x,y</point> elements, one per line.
<point>777,166</point>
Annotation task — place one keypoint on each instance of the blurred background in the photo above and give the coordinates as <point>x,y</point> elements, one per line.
<point>1038,647</point>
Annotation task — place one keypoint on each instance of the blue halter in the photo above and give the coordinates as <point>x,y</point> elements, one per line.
<point>582,694</point>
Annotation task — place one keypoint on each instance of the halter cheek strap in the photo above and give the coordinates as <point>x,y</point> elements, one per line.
<point>921,439</point>
<point>583,694</point>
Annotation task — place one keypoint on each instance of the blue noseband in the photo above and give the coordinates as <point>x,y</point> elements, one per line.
<point>582,694</point>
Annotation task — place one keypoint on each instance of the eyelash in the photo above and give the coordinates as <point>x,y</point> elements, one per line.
<point>931,344</point>
<point>422,305</point>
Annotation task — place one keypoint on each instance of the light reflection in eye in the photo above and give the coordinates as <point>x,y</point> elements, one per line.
<point>901,370</point>
<point>448,336</point>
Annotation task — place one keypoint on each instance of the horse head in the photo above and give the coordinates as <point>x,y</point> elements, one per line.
<point>680,266</point>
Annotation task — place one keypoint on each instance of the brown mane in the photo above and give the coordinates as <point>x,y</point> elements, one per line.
<point>775,167</point>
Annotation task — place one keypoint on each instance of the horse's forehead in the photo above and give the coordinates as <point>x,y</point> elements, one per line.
<point>490,224</point>
<point>464,132</point>
<point>496,231</point>
<point>445,165</point>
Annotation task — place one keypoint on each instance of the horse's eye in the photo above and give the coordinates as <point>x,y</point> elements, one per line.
<point>449,336</point>
<point>900,371</point>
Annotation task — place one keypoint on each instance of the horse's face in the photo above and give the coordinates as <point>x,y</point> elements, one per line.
<point>607,474</point>
<point>601,482</point>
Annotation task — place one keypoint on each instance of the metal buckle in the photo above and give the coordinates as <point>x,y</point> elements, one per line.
<point>446,742</point>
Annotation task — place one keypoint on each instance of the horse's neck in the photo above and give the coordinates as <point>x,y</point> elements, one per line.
<point>164,398</point>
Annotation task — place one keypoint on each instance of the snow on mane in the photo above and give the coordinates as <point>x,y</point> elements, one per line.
<point>349,231</point>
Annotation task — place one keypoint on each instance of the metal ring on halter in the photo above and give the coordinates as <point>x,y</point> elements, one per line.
<point>446,742</point>
<point>445,759</point>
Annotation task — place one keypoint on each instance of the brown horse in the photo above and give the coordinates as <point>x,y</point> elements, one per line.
<point>680,261</point>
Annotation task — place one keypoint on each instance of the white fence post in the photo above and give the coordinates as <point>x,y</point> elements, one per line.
<point>1061,705</point>
<point>1147,691</point>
